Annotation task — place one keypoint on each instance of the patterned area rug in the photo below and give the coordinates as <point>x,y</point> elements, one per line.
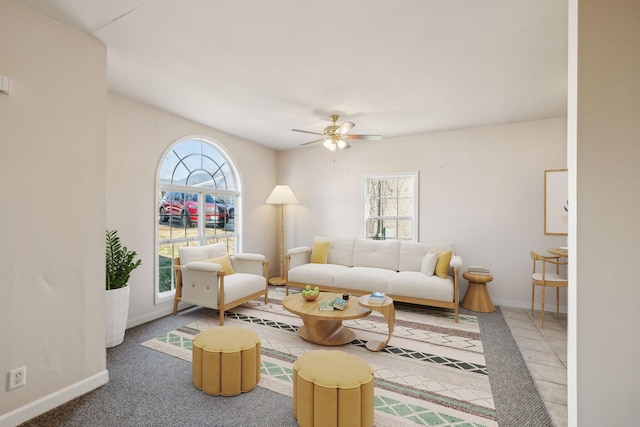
<point>431,373</point>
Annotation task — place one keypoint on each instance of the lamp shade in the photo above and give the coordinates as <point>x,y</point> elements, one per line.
<point>282,194</point>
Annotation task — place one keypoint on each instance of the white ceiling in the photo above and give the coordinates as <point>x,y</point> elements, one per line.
<point>257,68</point>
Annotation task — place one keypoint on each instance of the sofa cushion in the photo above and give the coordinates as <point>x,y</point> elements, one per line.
<point>377,253</point>
<point>442,265</point>
<point>412,253</point>
<point>320,252</point>
<point>200,253</point>
<point>366,279</point>
<point>417,285</point>
<point>315,274</point>
<point>429,263</point>
<point>240,285</point>
<point>340,250</point>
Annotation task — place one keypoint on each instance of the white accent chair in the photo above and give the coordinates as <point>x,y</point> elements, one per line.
<point>203,282</point>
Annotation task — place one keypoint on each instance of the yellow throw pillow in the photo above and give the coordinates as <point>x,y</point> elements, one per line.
<point>225,262</point>
<point>442,265</point>
<point>320,252</point>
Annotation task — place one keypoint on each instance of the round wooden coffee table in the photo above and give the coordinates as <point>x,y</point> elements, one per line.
<point>324,327</point>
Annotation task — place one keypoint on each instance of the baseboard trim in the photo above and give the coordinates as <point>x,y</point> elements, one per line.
<point>148,317</point>
<point>163,311</point>
<point>527,305</point>
<point>53,400</point>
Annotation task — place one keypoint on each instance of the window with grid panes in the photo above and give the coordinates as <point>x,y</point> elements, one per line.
<point>391,203</point>
<point>196,200</point>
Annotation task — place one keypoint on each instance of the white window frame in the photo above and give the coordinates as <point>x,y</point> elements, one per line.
<point>202,239</point>
<point>367,179</point>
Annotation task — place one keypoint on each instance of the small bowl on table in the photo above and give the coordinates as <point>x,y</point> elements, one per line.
<point>311,297</point>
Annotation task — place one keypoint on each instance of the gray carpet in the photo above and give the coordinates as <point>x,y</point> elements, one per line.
<point>149,388</point>
<point>516,397</point>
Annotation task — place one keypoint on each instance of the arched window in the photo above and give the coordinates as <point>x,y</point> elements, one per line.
<point>197,195</point>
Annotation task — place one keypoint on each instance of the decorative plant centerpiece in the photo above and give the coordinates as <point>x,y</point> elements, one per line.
<point>120,262</point>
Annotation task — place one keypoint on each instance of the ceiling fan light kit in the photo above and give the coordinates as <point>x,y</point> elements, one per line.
<point>329,145</point>
<point>334,137</point>
<point>343,145</point>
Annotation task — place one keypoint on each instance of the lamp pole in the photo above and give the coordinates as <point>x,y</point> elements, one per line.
<point>279,281</point>
<point>281,195</point>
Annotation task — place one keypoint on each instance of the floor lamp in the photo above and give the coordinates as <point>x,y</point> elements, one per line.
<point>281,195</point>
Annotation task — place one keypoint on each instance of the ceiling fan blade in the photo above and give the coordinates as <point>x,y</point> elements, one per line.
<point>344,128</point>
<point>313,142</point>
<point>367,137</point>
<point>306,131</point>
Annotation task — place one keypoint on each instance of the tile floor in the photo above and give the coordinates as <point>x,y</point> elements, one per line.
<point>545,353</point>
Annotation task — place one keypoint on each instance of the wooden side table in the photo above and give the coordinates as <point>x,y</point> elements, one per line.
<point>477,297</point>
<point>389,313</point>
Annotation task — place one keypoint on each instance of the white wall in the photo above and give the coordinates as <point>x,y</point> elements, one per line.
<point>53,132</point>
<point>608,226</point>
<point>138,138</point>
<point>52,146</point>
<point>481,188</point>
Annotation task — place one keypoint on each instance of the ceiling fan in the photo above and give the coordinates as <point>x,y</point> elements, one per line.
<point>335,137</point>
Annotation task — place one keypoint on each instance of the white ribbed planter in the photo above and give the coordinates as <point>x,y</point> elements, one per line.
<point>117,314</point>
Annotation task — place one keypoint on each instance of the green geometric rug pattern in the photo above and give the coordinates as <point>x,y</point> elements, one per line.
<point>400,398</point>
<point>416,414</point>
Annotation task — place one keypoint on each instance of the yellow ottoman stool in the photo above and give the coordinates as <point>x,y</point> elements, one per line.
<point>226,361</point>
<point>332,388</point>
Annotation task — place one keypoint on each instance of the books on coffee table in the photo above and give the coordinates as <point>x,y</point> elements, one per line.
<point>339,303</point>
<point>326,305</point>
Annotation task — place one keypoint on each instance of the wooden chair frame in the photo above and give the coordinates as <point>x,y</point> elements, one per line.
<point>546,278</point>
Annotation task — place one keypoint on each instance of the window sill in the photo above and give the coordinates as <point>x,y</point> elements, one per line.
<point>165,296</point>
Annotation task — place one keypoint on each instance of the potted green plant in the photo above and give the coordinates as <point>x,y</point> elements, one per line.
<point>120,262</point>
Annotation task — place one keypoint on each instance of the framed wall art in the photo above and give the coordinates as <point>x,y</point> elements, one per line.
<point>556,202</point>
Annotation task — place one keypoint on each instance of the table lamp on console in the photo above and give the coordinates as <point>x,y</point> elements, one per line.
<point>281,195</point>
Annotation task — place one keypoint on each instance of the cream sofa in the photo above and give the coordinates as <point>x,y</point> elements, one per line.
<point>404,270</point>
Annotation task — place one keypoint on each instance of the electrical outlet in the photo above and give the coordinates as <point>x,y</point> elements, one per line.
<point>17,377</point>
